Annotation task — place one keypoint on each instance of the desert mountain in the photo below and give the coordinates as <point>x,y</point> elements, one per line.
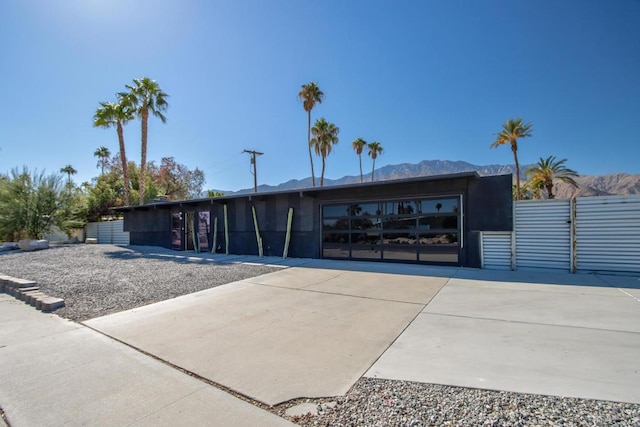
<point>589,185</point>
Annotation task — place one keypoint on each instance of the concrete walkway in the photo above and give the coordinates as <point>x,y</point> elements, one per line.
<point>55,372</point>
<point>555,334</point>
<point>312,329</point>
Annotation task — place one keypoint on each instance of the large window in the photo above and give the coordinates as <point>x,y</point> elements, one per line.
<point>419,230</point>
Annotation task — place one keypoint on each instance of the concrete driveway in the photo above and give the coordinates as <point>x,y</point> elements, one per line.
<point>312,330</point>
<point>301,332</point>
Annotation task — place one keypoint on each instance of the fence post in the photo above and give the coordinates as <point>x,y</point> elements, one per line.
<point>573,232</point>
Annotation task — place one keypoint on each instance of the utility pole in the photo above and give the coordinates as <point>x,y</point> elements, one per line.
<point>255,170</point>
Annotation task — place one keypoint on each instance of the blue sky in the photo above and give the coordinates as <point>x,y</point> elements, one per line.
<point>428,79</point>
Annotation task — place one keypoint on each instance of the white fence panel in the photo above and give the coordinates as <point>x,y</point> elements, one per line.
<point>91,230</point>
<point>104,232</point>
<point>543,234</point>
<point>118,235</point>
<point>608,233</point>
<point>108,232</point>
<point>496,250</point>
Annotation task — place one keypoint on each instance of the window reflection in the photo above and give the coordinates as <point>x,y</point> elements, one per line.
<point>335,210</point>
<point>370,238</point>
<point>439,206</point>
<point>399,224</point>
<point>438,239</point>
<point>448,222</point>
<point>335,224</point>
<point>399,238</point>
<point>423,230</point>
<point>336,238</point>
<point>400,253</point>
<point>372,223</point>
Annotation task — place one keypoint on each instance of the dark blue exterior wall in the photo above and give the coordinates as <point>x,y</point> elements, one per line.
<point>487,204</point>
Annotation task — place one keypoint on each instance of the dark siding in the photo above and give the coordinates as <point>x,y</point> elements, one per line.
<point>487,206</point>
<point>490,205</point>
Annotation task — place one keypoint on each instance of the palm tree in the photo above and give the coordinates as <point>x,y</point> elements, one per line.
<point>69,170</point>
<point>374,149</point>
<point>310,94</point>
<point>512,130</point>
<point>325,135</point>
<point>359,145</point>
<point>146,97</point>
<point>549,169</point>
<point>117,114</point>
<point>103,154</point>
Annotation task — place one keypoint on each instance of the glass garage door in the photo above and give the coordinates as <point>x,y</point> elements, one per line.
<point>422,230</point>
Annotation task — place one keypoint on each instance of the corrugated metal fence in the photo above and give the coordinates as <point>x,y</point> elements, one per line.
<point>584,234</point>
<point>543,233</point>
<point>107,232</point>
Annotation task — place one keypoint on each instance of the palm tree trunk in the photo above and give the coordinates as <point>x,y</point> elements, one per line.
<point>125,169</point>
<point>143,158</point>
<point>313,178</point>
<point>374,168</point>
<point>360,157</point>
<point>514,148</point>
<point>550,191</point>
<point>322,175</point>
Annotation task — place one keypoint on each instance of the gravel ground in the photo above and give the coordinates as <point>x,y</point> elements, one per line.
<point>96,280</point>
<point>376,402</point>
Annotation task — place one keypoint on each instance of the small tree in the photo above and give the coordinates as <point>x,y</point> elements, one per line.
<point>29,202</point>
<point>547,170</point>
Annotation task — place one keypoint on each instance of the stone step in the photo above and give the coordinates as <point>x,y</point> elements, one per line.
<point>33,297</point>
<point>29,292</point>
<point>49,304</point>
<point>22,293</point>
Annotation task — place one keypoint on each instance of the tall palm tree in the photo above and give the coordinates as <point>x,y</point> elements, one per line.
<point>146,97</point>
<point>310,95</point>
<point>359,145</point>
<point>69,170</point>
<point>547,170</point>
<point>512,130</point>
<point>325,136</point>
<point>374,150</point>
<point>117,114</point>
<point>103,154</point>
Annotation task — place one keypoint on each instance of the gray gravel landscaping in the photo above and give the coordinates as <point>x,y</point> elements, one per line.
<point>377,402</point>
<point>96,280</point>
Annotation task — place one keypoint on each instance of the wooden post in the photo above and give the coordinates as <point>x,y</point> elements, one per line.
<point>288,237</point>
<point>215,235</point>
<point>226,231</point>
<point>255,225</point>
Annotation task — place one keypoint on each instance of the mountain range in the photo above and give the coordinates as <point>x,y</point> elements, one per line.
<point>588,185</point>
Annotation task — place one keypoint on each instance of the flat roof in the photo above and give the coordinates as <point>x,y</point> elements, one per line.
<point>306,190</point>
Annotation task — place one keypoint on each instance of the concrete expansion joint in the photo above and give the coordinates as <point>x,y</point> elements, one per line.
<point>628,294</point>
<point>205,381</point>
<point>336,293</point>
<point>29,292</point>
<point>524,322</point>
